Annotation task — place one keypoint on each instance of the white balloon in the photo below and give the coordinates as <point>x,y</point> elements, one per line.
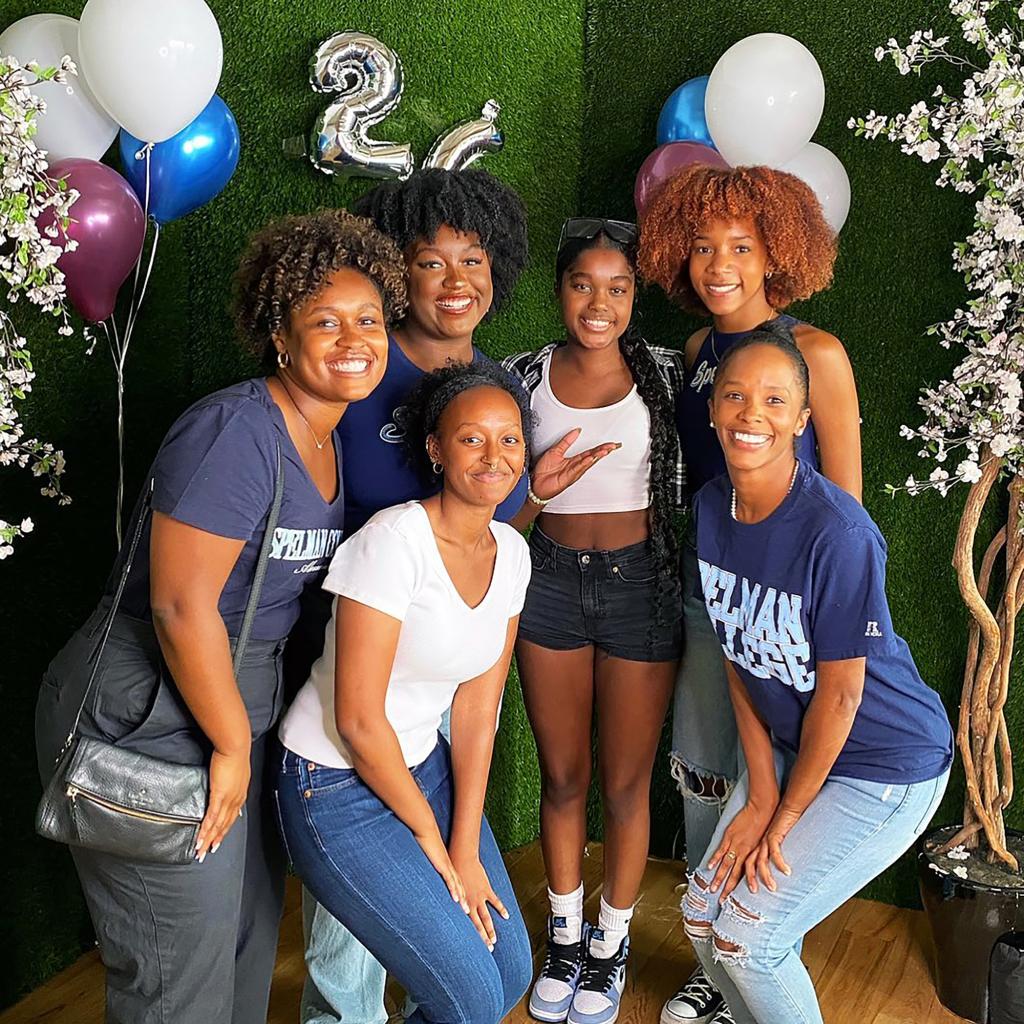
<point>153,64</point>
<point>827,176</point>
<point>74,124</point>
<point>764,99</point>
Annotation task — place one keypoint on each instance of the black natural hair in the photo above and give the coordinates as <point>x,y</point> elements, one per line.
<point>419,415</point>
<point>472,201</point>
<point>650,386</point>
<point>777,335</point>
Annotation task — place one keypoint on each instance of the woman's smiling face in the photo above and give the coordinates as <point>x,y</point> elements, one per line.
<point>596,295</point>
<point>727,265</point>
<point>758,406</point>
<point>450,287</point>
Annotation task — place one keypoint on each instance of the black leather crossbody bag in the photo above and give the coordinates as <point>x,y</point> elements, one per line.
<point>104,797</point>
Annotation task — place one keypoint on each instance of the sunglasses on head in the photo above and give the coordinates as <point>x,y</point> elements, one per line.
<point>622,231</point>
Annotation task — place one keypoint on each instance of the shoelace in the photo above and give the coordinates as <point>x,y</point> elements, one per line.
<point>698,986</point>
<point>598,973</point>
<point>562,961</point>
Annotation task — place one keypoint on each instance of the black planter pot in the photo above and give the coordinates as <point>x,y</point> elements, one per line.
<point>966,919</point>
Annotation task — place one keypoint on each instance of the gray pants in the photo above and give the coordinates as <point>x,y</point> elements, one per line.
<point>182,944</point>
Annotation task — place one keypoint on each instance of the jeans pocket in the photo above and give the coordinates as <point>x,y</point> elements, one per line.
<point>637,573</point>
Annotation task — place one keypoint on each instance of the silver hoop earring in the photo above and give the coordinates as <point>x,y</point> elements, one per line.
<point>283,359</point>
<point>768,276</point>
<point>437,468</point>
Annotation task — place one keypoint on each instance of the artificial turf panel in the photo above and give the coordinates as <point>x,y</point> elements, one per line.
<point>580,86</point>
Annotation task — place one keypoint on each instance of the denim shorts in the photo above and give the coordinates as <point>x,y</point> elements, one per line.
<point>609,599</point>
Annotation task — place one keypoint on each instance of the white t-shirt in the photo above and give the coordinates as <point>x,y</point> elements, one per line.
<point>393,564</point>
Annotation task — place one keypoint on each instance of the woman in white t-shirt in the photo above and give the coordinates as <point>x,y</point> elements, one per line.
<point>383,821</point>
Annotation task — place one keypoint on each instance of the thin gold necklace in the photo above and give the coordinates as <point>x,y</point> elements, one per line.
<point>320,444</point>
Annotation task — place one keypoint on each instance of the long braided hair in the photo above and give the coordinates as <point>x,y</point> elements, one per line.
<point>654,393</point>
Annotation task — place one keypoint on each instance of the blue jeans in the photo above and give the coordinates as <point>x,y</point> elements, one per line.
<point>343,980</point>
<point>366,868</point>
<point>851,832</point>
<point>706,756</point>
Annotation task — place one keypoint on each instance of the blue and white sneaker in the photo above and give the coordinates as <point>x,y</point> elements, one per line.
<point>556,984</point>
<point>601,983</point>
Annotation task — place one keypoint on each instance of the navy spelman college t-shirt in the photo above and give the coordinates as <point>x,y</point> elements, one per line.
<point>807,585</point>
<point>215,471</point>
<point>377,473</point>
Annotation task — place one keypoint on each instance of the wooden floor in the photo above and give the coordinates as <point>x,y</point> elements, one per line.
<point>868,960</point>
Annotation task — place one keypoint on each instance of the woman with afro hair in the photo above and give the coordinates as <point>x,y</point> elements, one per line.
<point>463,234</point>
<point>740,246</point>
<point>196,942</point>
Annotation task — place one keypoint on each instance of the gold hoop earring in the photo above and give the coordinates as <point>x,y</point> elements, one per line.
<point>283,359</point>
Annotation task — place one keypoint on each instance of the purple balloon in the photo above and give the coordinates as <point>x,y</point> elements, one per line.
<point>664,162</point>
<point>109,226</point>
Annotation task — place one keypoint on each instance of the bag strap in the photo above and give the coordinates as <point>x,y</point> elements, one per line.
<point>250,608</point>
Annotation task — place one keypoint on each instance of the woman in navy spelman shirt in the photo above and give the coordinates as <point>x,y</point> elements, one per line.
<point>847,750</point>
<point>195,942</point>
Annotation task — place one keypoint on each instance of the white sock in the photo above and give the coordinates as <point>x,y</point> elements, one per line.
<point>569,908</point>
<point>614,924</point>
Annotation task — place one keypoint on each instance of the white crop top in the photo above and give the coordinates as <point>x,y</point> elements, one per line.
<point>620,482</point>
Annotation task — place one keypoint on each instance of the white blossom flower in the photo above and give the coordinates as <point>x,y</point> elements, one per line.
<point>969,471</point>
<point>29,197</point>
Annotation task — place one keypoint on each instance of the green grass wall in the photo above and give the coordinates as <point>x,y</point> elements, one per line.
<point>580,86</point>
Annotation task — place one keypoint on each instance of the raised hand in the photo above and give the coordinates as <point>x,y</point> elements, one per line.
<point>553,472</point>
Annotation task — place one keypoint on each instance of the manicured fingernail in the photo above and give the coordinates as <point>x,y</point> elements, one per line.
<point>201,857</point>
<point>504,914</point>
<point>490,947</point>
<point>215,848</point>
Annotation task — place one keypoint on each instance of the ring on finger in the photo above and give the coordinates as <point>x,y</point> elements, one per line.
<point>731,855</point>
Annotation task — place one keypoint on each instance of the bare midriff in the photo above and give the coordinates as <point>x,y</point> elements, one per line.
<point>596,531</point>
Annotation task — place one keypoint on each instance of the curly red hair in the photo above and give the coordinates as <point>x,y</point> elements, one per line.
<point>801,246</point>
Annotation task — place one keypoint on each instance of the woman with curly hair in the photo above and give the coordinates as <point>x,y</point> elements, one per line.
<point>739,245</point>
<point>601,630</point>
<point>463,234</point>
<point>383,819</point>
<point>188,943</point>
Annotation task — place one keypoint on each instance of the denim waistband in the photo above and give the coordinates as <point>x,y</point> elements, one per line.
<point>140,633</point>
<point>559,556</point>
<point>429,773</point>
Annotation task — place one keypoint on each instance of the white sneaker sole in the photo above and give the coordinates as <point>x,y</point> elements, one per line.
<point>668,1017</point>
<point>547,1016</point>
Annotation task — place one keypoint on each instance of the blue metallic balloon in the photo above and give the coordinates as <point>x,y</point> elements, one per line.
<point>682,117</point>
<point>188,169</point>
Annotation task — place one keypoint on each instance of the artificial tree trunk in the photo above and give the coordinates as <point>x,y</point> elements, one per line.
<point>982,737</point>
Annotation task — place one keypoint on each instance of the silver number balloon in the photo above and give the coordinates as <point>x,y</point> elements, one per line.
<point>367,77</point>
<point>464,143</point>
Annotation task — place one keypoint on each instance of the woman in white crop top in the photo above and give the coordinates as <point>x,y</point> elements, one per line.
<point>602,624</point>
<point>383,821</point>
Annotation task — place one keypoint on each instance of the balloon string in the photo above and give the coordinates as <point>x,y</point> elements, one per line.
<point>143,154</point>
<point>133,313</point>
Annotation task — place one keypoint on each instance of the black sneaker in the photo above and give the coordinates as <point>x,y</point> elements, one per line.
<point>697,1002</point>
<point>556,984</point>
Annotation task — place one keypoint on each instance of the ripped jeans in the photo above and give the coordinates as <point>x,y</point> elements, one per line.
<point>749,944</point>
<point>706,757</point>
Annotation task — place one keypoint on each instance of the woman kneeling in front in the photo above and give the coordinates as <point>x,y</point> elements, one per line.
<point>847,750</point>
<point>384,822</point>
